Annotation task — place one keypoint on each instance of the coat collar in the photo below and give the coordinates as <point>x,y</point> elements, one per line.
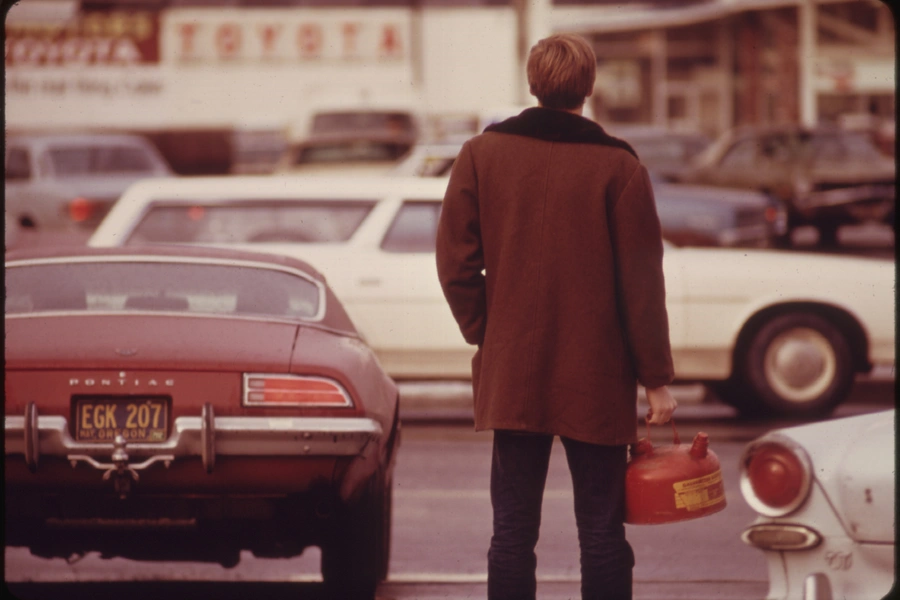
<point>558,126</point>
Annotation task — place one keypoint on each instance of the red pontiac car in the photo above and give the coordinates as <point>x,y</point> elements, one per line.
<point>182,403</point>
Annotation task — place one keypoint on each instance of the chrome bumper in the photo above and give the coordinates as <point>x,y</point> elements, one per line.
<point>847,195</point>
<point>206,436</point>
<point>817,587</point>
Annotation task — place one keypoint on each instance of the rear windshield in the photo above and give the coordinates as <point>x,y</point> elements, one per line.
<point>252,222</point>
<point>180,287</point>
<point>88,160</point>
<point>353,151</point>
<point>331,122</point>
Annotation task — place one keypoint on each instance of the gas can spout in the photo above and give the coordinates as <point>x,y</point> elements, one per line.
<point>700,445</point>
<point>643,447</point>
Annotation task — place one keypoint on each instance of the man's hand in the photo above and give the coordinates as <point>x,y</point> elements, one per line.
<point>662,405</point>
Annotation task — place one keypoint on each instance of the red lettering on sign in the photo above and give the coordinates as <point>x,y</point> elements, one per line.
<point>268,33</point>
<point>228,40</point>
<point>390,45</point>
<point>187,32</point>
<point>309,40</point>
<point>350,31</point>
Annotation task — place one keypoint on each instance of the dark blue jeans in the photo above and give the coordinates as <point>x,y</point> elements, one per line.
<point>518,476</point>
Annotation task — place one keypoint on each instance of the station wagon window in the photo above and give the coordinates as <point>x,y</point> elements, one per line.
<point>181,287</point>
<point>17,165</point>
<point>85,160</point>
<point>414,228</point>
<point>358,150</point>
<point>259,221</point>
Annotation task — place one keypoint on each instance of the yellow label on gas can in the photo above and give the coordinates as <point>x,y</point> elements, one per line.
<point>694,494</point>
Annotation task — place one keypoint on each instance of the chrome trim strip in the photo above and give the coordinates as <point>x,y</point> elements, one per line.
<point>847,195</point>
<point>234,436</point>
<point>320,313</point>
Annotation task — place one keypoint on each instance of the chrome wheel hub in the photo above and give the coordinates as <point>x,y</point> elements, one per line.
<point>800,364</point>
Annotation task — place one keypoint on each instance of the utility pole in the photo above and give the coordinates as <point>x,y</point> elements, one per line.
<point>533,22</point>
<point>807,49</point>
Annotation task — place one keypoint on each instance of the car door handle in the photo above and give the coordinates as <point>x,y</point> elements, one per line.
<point>370,281</point>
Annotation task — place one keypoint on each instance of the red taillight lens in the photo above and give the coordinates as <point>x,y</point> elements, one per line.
<point>81,209</point>
<point>776,478</point>
<point>776,475</point>
<point>293,390</point>
<point>771,214</point>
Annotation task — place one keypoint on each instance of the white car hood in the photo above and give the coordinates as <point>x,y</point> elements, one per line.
<point>853,461</point>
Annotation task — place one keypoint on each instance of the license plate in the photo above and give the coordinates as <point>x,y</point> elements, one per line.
<point>139,419</point>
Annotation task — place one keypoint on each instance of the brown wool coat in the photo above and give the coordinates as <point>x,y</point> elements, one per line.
<point>549,252</point>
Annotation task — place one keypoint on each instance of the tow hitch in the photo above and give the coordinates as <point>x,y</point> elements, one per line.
<point>119,470</point>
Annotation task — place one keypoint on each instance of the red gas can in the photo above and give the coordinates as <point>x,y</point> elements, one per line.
<point>672,483</point>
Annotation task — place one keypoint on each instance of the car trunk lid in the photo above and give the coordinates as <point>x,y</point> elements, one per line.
<point>49,360</point>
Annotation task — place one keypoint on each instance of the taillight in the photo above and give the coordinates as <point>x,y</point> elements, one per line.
<point>775,477</point>
<point>771,214</point>
<point>293,390</point>
<point>81,209</point>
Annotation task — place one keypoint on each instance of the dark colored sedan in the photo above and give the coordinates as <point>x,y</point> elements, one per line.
<point>826,177</point>
<point>187,404</point>
<point>690,215</point>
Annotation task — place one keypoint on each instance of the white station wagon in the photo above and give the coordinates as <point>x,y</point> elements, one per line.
<point>772,332</point>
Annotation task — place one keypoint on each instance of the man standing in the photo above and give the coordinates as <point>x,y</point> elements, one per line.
<point>549,252</point>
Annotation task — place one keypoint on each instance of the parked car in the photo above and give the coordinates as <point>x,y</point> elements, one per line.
<point>827,177</point>
<point>665,152</point>
<point>825,497</point>
<point>68,181</point>
<point>776,332</point>
<point>359,141</point>
<point>176,403</point>
<point>690,215</point>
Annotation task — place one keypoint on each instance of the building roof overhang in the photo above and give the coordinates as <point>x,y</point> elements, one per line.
<point>642,16</point>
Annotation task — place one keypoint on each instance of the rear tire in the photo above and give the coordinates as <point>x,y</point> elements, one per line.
<point>828,235</point>
<point>356,555</point>
<point>796,365</point>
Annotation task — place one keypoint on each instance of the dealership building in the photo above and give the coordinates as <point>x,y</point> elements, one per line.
<point>198,74</point>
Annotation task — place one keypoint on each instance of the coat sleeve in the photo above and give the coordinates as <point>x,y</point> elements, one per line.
<point>459,251</point>
<point>636,236</point>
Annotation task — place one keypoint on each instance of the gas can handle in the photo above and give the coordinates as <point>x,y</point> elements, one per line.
<point>675,439</point>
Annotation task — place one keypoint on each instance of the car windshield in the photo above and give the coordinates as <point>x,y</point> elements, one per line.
<point>328,122</point>
<point>88,160</point>
<point>239,222</point>
<point>176,286</point>
<point>838,147</point>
